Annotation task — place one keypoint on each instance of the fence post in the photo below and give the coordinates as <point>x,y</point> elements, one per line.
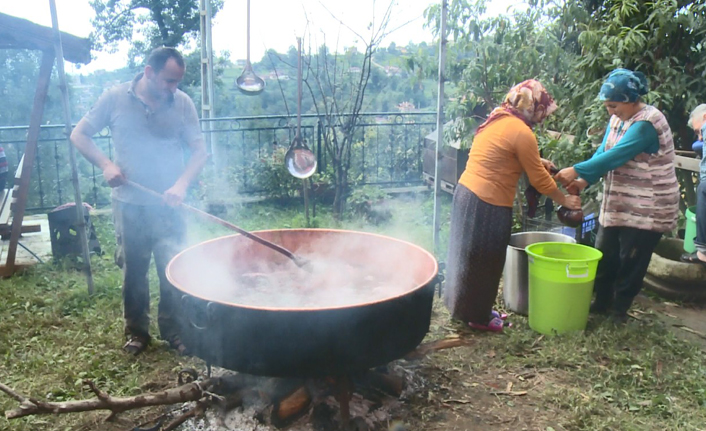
<point>319,137</point>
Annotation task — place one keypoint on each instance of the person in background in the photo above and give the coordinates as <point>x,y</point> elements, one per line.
<point>481,219</point>
<point>697,121</point>
<point>3,169</point>
<point>151,121</point>
<point>641,192</point>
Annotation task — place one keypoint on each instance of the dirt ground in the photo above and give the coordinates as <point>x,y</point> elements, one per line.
<point>462,388</point>
<point>686,320</point>
<point>479,396</point>
<point>467,388</point>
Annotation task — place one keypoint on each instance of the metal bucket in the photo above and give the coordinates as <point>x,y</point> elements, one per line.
<point>515,276</point>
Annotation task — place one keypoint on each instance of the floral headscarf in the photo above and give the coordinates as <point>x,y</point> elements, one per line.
<point>623,85</point>
<point>529,101</point>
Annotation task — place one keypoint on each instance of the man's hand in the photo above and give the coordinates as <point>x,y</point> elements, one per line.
<point>175,195</point>
<point>566,176</point>
<point>575,187</point>
<point>113,175</point>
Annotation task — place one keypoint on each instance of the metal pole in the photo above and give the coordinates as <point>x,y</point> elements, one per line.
<point>207,91</point>
<point>305,183</point>
<point>439,124</point>
<point>80,219</point>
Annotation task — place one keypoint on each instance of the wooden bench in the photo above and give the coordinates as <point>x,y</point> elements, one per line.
<point>5,206</point>
<point>8,197</point>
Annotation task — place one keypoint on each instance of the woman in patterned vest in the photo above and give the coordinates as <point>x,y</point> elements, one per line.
<point>640,190</point>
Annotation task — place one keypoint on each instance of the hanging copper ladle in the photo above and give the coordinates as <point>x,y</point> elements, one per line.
<point>299,159</point>
<point>249,83</point>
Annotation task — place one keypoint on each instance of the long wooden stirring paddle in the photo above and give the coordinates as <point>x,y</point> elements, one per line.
<point>298,260</point>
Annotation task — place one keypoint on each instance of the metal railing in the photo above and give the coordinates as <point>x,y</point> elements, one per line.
<point>387,151</point>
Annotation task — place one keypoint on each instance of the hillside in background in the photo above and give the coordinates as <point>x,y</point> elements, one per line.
<point>393,86</point>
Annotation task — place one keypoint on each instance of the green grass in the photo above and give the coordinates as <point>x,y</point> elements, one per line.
<point>53,336</point>
<point>638,376</point>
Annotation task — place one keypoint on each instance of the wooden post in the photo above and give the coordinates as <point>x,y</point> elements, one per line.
<point>35,121</point>
<point>80,218</point>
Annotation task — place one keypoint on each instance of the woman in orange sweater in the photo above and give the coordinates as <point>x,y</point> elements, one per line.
<point>481,219</point>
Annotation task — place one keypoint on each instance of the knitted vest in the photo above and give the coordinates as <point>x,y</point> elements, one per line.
<point>644,192</point>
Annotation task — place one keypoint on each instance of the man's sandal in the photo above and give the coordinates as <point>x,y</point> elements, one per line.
<point>136,345</point>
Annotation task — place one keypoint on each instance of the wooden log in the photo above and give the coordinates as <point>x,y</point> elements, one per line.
<point>387,383</point>
<point>292,407</point>
<point>194,391</point>
<point>196,411</point>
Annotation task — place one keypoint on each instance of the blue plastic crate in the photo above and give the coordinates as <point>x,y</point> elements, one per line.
<point>588,229</point>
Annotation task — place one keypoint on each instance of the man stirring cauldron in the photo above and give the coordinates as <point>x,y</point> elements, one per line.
<point>150,122</point>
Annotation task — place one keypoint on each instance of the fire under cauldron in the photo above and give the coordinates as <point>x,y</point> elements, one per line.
<point>308,339</point>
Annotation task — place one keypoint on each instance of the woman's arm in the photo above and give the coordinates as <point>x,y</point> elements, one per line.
<point>641,137</point>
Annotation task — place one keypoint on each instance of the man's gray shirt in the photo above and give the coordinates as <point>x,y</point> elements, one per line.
<point>149,145</point>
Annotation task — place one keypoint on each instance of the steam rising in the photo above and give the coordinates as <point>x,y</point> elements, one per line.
<point>346,269</point>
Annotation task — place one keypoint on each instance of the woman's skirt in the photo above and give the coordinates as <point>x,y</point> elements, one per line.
<point>478,239</point>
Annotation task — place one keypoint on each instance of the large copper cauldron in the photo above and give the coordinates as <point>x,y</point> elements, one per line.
<point>302,341</point>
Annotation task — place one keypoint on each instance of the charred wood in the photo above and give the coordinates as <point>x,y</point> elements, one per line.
<point>291,407</point>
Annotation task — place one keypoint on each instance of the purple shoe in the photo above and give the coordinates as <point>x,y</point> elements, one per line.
<point>501,316</point>
<point>496,324</point>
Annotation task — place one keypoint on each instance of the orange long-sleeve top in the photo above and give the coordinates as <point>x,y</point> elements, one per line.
<point>499,154</point>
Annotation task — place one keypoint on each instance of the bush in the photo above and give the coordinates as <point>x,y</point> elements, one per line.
<point>370,203</point>
<point>273,178</point>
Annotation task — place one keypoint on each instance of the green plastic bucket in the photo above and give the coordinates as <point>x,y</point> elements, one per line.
<point>690,230</point>
<point>561,279</point>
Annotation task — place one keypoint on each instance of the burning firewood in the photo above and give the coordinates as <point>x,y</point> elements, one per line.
<point>291,407</point>
<point>289,398</point>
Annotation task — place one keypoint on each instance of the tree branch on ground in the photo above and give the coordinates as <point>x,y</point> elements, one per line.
<point>205,393</point>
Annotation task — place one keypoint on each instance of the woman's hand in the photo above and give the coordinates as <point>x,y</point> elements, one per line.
<point>566,176</point>
<point>548,165</point>
<point>575,187</point>
<point>571,202</point>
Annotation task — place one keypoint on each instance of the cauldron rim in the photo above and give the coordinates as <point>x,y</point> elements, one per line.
<point>418,287</point>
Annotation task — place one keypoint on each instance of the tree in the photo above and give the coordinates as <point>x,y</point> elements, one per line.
<point>337,84</point>
<point>18,81</point>
<point>159,22</point>
<point>664,39</point>
<point>571,47</point>
<point>489,54</point>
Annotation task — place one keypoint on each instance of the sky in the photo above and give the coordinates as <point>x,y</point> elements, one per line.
<point>274,24</point>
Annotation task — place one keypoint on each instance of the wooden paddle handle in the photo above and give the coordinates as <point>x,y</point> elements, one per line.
<point>297,260</point>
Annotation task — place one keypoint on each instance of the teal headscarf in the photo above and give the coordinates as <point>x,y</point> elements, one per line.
<point>623,85</point>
